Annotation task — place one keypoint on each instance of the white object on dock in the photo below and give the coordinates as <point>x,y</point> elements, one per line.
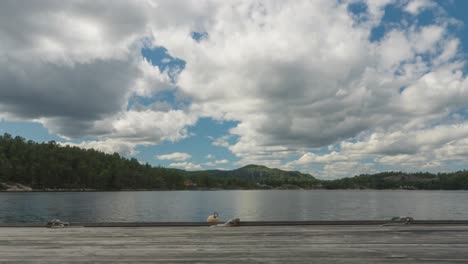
<point>214,218</point>
<point>232,222</point>
<point>56,223</point>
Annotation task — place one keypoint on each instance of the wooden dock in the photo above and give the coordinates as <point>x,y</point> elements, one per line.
<point>394,243</point>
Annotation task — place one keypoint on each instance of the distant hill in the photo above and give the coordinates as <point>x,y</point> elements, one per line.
<point>256,176</point>
<point>255,172</point>
<point>253,176</point>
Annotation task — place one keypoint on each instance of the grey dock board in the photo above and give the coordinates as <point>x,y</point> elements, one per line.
<point>244,244</point>
<point>246,223</point>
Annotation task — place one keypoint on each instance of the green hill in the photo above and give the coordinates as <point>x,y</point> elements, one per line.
<point>253,176</point>
<point>255,172</point>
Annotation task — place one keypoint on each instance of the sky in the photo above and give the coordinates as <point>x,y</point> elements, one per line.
<point>331,88</point>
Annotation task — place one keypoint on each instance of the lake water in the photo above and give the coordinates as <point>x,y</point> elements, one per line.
<point>156,206</point>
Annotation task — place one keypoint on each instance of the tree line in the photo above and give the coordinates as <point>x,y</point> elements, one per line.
<point>53,166</point>
<point>400,180</point>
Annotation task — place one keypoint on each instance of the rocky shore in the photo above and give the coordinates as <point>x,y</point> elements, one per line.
<point>14,187</point>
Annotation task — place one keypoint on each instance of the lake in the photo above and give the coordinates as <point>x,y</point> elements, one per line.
<point>254,205</point>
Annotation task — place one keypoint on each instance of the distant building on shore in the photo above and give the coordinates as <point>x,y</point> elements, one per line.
<point>189,183</point>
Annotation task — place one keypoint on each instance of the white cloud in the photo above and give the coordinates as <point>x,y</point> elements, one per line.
<point>441,90</point>
<point>430,149</point>
<point>216,162</point>
<point>86,67</point>
<point>123,132</point>
<point>295,77</point>
<point>305,75</point>
<point>152,80</point>
<point>310,158</point>
<point>175,156</point>
<point>221,141</point>
<point>107,145</point>
<point>418,162</point>
<point>186,165</point>
<point>345,169</point>
<point>415,6</point>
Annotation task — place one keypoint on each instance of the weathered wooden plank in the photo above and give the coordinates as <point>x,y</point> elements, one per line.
<point>247,223</point>
<point>258,244</point>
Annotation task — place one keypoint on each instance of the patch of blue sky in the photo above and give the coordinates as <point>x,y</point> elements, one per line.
<point>454,166</point>
<point>395,17</point>
<point>291,158</point>
<point>357,8</point>
<point>199,36</point>
<point>199,145</point>
<point>457,9</point>
<point>392,19</point>
<point>169,96</point>
<point>427,17</point>
<point>402,89</point>
<point>164,96</point>
<point>213,128</point>
<point>460,114</point>
<point>28,130</point>
<point>324,150</point>
<point>160,57</point>
<point>427,58</point>
<point>359,11</point>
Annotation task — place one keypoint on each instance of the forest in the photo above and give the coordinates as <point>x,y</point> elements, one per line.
<point>53,166</point>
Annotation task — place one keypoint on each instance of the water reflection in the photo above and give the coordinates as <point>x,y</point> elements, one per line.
<point>248,205</point>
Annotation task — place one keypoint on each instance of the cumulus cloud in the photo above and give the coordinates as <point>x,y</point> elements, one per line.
<point>415,6</point>
<point>185,165</point>
<point>345,168</point>
<point>123,132</point>
<point>425,149</point>
<point>335,85</point>
<point>175,156</point>
<point>68,61</point>
<point>296,77</point>
<point>106,145</point>
<point>221,141</point>
<point>216,162</point>
<point>74,68</point>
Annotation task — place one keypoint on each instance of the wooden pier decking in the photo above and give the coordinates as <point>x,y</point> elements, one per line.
<point>244,244</point>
